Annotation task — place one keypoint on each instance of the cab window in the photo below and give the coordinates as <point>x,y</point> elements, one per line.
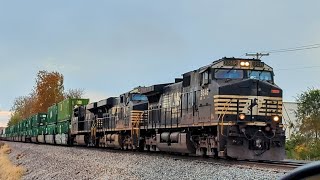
<point>204,78</point>
<point>228,74</point>
<point>260,75</point>
<point>139,97</point>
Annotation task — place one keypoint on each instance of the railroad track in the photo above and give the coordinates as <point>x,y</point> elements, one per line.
<point>273,165</point>
<point>285,165</point>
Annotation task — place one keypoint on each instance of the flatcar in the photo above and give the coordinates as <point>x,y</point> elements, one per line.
<point>229,108</point>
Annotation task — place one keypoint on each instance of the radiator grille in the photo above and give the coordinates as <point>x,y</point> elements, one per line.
<point>233,104</point>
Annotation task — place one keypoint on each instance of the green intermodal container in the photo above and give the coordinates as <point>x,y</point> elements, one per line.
<point>65,108</point>
<point>22,125</point>
<point>25,124</point>
<point>63,127</point>
<point>8,130</point>
<point>52,114</point>
<point>50,129</point>
<point>15,128</point>
<point>18,128</point>
<point>33,121</point>
<point>29,132</point>
<point>21,129</point>
<point>42,130</point>
<point>34,131</point>
<point>39,119</point>
<point>28,123</point>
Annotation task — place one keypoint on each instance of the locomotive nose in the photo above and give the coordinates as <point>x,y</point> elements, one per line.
<point>251,87</point>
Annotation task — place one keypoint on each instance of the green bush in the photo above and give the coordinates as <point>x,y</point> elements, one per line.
<point>305,144</point>
<point>303,148</point>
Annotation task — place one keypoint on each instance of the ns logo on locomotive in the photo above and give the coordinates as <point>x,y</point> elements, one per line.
<point>229,108</point>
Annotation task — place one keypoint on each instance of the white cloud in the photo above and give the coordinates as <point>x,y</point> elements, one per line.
<point>4,117</point>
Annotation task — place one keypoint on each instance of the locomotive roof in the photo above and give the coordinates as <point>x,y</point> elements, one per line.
<point>222,60</point>
<point>158,88</point>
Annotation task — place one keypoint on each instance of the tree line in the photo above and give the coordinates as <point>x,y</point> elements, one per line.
<point>304,143</point>
<point>48,90</point>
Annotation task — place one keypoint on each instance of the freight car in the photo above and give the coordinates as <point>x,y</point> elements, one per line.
<point>229,108</point>
<point>50,128</point>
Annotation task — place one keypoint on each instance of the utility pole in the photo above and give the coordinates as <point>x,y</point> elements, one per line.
<point>257,55</point>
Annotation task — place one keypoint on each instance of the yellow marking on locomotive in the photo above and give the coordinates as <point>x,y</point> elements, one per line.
<point>228,109</point>
<point>136,120</point>
<point>232,100</point>
<point>270,106</point>
<point>244,97</point>
<point>266,106</point>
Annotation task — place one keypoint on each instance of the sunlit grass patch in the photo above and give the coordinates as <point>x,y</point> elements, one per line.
<point>8,171</point>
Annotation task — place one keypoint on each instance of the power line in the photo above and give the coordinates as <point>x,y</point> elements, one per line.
<point>306,67</point>
<point>294,49</point>
<point>298,48</point>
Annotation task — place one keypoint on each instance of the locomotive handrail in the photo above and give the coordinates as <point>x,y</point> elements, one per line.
<point>224,110</point>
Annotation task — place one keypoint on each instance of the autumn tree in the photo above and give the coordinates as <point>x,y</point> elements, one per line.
<point>48,90</point>
<point>23,106</point>
<point>15,118</point>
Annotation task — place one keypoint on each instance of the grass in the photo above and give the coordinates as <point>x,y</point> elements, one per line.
<point>8,171</point>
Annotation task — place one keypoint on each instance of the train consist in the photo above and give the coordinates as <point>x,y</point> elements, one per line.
<point>229,108</point>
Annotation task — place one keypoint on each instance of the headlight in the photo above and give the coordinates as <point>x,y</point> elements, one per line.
<point>244,63</point>
<point>242,116</point>
<point>275,118</point>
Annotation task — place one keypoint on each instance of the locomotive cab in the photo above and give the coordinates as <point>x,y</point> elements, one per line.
<point>250,84</point>
<point>250,101</point>
<point>238,106</point>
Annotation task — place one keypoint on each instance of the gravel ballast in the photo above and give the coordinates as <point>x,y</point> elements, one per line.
<point>59,162</point>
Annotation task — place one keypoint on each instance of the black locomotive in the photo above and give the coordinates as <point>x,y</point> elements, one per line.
<point>229,108</point>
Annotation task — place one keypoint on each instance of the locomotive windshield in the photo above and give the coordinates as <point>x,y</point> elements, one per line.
<point>139,97</point>
<point>261,75</point>
<point>243,74</point>
<point>229,74</point>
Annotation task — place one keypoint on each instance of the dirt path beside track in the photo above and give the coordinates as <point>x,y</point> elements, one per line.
<point>58,162</point>
<point>8,171</point>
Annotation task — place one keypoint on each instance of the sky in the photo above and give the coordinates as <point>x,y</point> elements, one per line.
<point>110,47</point>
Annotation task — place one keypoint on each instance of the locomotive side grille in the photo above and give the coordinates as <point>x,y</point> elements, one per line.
<point>233,104</point>
<point>225,104</point>
<point>139,117</point>
<point>269,106</point>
